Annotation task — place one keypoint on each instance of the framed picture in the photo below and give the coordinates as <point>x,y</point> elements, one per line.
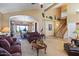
<point>49,27</point>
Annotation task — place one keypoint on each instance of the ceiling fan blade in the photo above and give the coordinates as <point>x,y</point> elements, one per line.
<point>33,3</point>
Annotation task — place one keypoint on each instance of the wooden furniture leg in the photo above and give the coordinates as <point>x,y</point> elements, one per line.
<point>45,50</point>
<point>32,47</point>
<point>37,52</point>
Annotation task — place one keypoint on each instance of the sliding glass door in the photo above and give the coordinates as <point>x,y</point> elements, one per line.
<point>21,28</point>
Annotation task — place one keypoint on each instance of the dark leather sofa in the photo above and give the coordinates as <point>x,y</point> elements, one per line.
<point>71,51</point>
<point>75,41</point>
<point>10,46</point>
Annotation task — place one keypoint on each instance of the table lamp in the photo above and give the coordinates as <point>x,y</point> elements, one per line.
<point>5,30</point>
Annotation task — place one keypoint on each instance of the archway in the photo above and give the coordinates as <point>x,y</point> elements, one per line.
<point>20,24</point>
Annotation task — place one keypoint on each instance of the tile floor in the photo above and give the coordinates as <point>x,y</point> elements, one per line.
<point>54,48</point>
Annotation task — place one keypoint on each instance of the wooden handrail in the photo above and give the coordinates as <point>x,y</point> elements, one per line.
<point>61,29</point>
<point>63,26</point>
<point>60,26</point>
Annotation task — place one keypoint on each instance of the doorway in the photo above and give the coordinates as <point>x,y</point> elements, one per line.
<point>21,24</point>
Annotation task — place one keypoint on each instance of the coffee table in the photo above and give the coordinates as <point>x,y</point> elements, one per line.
<point>38,47</point>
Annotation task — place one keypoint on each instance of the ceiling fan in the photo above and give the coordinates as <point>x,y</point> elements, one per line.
<point>33,3</point>
<point>41,5</point>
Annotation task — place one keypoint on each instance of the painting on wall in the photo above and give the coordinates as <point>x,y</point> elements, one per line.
<point>49,27</point>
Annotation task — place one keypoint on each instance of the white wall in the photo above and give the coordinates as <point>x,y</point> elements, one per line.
<point>50,12</point>
<point>71,30</point>
<point>36,14</point>
<point>72,18</point>
<point>47,32</point>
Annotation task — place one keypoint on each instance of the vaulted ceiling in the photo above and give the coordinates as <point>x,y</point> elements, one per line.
<point>11,7</point>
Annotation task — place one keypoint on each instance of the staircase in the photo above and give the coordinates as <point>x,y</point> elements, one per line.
<point>60,31</point>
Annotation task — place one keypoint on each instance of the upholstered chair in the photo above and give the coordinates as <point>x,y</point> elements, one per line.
<point>10,48</point>
<point>12,41</point>
<point>4,52</point>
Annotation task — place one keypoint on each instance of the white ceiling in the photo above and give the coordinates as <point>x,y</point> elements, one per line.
<point>10,7</point>
<point>22,18</point>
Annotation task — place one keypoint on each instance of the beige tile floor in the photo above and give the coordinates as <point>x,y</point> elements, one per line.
<point>54,48</point>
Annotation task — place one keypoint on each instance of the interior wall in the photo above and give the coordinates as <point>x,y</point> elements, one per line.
<point>64,7</point>
<point>54,12</point>
<point>1,15</point>
<point>73,18</point>
<point>30,27</point>
<point>72,15</point>
<point>47,31</point>
<point>35,13</point>
<point>50,12</point>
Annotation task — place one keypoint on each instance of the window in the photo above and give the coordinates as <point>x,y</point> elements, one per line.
<point>21,28</point>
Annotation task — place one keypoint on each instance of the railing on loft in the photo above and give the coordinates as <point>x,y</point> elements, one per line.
<point>60,31</point>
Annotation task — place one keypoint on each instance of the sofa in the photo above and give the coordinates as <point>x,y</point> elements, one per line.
<point>4,52</point>
<point>71,51</point>
<point>10,45</point>
<point>12,41</point>
<point>30,36</point>
<point>75,41</point>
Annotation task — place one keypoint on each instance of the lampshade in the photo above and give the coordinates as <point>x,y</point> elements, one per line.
<point>5,29</point>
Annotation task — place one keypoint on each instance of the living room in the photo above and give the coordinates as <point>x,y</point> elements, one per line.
<point>44,20</point>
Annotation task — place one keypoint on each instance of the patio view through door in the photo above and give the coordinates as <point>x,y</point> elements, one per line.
<point>21,29</point>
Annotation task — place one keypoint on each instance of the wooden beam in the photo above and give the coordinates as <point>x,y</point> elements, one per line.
<point>54,4</point>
